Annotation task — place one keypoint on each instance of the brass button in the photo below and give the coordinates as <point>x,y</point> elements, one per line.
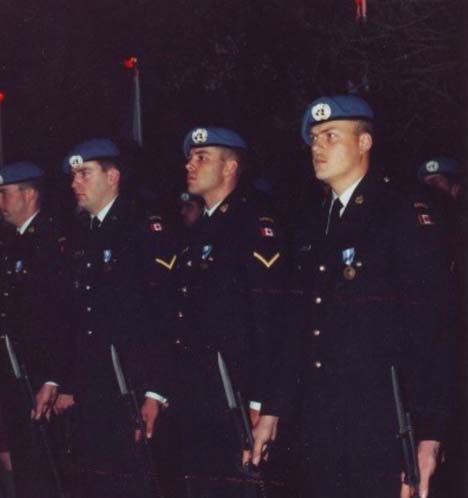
<point>318,300</point>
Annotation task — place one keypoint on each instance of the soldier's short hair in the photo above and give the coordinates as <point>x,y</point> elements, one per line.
<point>363,126</point>
<point>36,184</point>
<point>238,155</point>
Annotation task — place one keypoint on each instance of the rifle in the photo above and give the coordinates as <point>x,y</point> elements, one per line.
<point>143,447</point>
<point>242,426</point>
<point>21,375</point>
<point>406,435</point>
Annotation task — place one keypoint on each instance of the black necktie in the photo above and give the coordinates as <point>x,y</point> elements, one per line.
<point>94,223</point>
<point>334,217</point>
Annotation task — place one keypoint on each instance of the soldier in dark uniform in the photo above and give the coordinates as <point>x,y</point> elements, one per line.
<point>32,307</point>
<point>443,178</point>
<point>373,285</point>
<point>230,279</point>
<point>108,256</point>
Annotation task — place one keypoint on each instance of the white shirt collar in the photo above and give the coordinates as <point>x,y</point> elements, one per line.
<point>103,213</point>
<point>346,195</point>
<point>212,209</point>
<point>25,225</point>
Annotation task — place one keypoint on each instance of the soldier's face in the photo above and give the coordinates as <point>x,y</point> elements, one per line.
<point>190,212</point>
<point>438,182</point>
<point>205,170</point>
<point>336,151</point>
<point>14,204</point>
<point>93,187</point>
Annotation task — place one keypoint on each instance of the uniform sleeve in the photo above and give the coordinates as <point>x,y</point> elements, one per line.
<point>272,373</point>
<point>422,266</point>
<point>158,249</point>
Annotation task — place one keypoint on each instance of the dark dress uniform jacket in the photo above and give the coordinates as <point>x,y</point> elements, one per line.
<point>33,307</point>
<point>33,299</point>
<point>372,294</point>
<point>110,279</point>
<point>230,297</point>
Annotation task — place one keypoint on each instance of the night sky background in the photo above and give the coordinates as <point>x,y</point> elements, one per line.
<point>249,65</point>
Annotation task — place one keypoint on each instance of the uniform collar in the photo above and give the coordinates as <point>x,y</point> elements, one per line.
<point>346,195</point>
<point>209,211</point>
<point>103,213</point>
<point>26,224</point>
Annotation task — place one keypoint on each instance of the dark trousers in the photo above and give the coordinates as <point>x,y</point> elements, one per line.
<point>110,463</point>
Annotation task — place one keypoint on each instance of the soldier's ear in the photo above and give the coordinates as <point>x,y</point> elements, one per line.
<point>365,142</point>
<point>113,176</point>
<point>230,167</point>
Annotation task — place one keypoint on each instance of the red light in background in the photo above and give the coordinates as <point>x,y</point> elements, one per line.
<point>2,97</point>
<point>130,63</point>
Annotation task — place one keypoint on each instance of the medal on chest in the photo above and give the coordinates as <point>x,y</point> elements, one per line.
<point>348,256</point>
<point>206,256</point>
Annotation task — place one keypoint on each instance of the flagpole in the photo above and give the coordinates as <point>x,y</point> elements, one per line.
<point>137,123</point>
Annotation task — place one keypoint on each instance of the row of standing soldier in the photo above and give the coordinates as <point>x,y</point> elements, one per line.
<point>364,287</point>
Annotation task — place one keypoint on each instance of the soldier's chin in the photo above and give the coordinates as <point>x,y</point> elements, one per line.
<point>320,174</point>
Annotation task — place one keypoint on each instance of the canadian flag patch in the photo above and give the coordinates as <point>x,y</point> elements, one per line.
<point>156,227</point>
<point>425,219</point>
<point>267,232</point>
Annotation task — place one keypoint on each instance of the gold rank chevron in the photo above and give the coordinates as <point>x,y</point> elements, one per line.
<point>267,262</point>
<point>167,265</point>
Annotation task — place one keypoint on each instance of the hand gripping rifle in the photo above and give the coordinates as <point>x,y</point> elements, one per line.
<point>21,375</point>
<point>406,435</point>
<point>143,447</point>
<point>242,426</point>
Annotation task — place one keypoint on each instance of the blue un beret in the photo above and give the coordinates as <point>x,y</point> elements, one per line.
<point>338,107</point>
<point>95,149</point>
<point>199,137</point>
<point>20,172</point>
<point>438,166</point>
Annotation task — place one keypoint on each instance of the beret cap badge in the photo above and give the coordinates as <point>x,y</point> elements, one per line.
<point>75,161</point>
<point>200,136</point>
<point>432,166</point>
<point>321,111</point>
